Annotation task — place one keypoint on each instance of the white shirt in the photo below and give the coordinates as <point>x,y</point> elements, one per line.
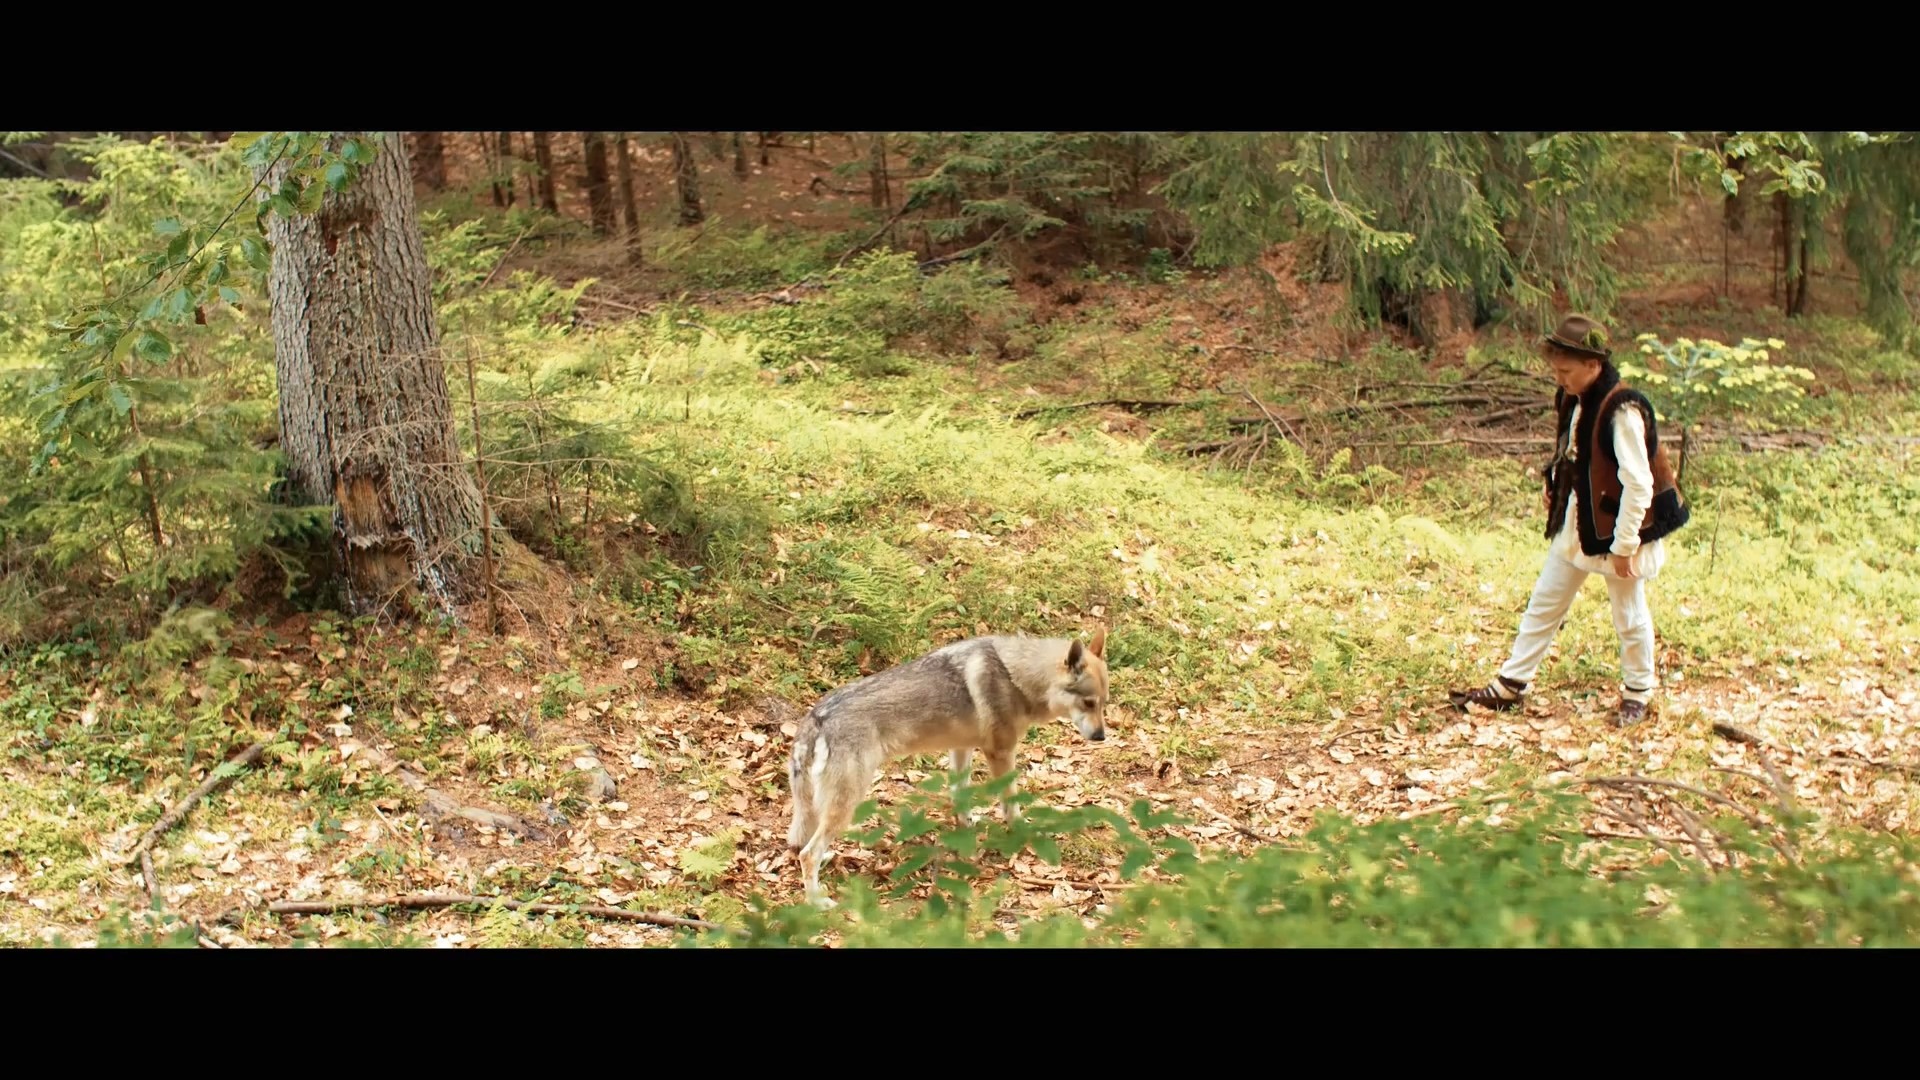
<point>1636,494</point>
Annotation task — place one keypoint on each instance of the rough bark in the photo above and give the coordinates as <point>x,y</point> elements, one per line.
<point>430,160</point>
<point>878,189</point>
<point>365,418</point>
<point>629,206</point>
<point>687,179</point>
<point>599,185</point>
<point>740,154</point>
<point>543,159</point>
<point>503,183</point>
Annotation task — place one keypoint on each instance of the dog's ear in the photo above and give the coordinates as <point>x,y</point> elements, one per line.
<point>1099,646</point>
<point>1075,659</point>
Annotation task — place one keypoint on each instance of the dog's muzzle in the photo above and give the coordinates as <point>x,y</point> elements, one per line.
<point>1088,731</point>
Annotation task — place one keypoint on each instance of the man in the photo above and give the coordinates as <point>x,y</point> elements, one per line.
<point>1608,470</point>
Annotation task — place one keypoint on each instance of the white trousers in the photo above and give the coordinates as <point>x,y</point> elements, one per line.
<point>1553,597</point>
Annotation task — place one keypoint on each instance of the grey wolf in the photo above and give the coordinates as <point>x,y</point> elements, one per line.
<point>1608,468</point>
<point>984,692</point>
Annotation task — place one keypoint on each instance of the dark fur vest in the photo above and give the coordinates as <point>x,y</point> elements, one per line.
<point>1594,472</point>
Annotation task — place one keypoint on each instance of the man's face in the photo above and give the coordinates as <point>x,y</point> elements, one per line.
<point>1573,374</point>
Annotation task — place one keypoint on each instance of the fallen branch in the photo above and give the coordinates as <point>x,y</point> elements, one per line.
<point>1741,735</point>
<point>431,901</point>
<point>877,233</point>
<point>1625,814</point>
<point>1279,424</point>
<point>1894,766</point>
<point>1416,403</point>
<point>1101,886</point>
<point>215,780</point>
<point>1350,731</point>
<point>1244,830</point>
<point>438,806</point>
<point>1120,403</point>
<point>1629,783</point>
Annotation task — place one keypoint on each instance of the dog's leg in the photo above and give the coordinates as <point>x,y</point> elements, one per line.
<point>963,764</point>
<point>1000,763</point>
<point>804,815</point>
<point>838,786</point>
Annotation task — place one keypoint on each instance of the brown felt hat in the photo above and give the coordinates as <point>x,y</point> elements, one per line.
<point>1581,336</point>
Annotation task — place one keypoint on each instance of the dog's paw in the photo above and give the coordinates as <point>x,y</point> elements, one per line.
<point>823,902</point>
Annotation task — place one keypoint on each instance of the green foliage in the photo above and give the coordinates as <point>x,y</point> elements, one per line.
<point>1016,184</point>
<point>715,256</point>
<point>1696,379</point>
<point>874,303</point>
<point>141,469</point>
<point>1527,881</point>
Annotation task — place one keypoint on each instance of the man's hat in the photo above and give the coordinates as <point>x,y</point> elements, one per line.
<point>1582,336</point>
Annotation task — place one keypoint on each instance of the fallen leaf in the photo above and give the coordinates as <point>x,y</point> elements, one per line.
<point>629,665</point>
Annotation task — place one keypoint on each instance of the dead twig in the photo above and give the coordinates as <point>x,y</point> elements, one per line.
<point>431,901</point>
<point>1625,814</point>
<point>1416,403</point>
<point>1629,783</point>
<point>215,780</point>
<point>1279,425</point>
<point>1102,886</point>
<point>1350,731</point>
<point>1244,830</point>
<point>1855,759</point>
<point>1121,403</point>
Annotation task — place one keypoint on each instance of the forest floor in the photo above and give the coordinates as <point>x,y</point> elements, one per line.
<point>1285,621</point>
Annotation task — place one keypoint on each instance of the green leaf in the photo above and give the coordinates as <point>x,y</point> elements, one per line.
<point>915,859</point>
<point>255,253</point>
<point>152,347</point>
<point>180,303</point>
<point>168,226</point>
<point>229,294</point>
<point>357,152</point>
<point>337,176</point>
<point>1137,858</point>
<point>122,401</point>
<point>1045,849</point>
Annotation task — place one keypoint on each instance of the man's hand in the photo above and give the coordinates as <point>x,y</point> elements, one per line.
<point>1623,566</point>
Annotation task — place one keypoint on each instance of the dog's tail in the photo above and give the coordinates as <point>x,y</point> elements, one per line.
<point>809,758</point>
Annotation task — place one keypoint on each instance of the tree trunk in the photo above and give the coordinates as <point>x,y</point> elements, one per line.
<point>877,171</point>
<point>716,146</point>
<point>764,136</point>
<point>599,186</point>
<point>1791,237</point>
<point>430,160</point>
<point>1806,272</point>
<point>503,183</point>
<point>365,420</point>
<point>628,205</point>
<point>543,159</point>
<point>529,170</point>
<point>687,179</point>
<point>740,154</point>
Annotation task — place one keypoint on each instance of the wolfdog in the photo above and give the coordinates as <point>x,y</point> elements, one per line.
<point>982,692</point>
